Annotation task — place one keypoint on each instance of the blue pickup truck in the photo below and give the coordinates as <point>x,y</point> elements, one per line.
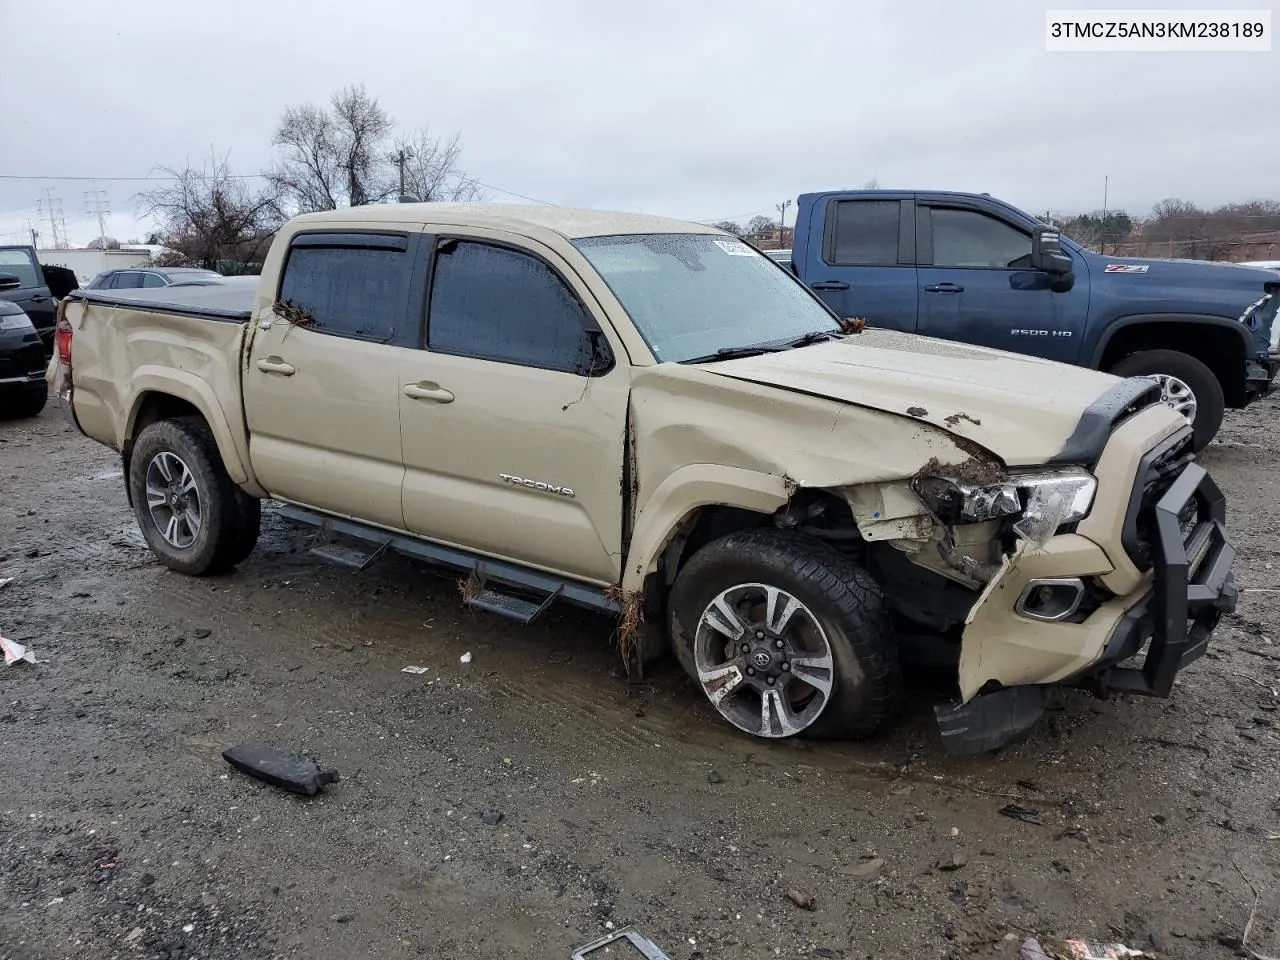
<point>971,268</point>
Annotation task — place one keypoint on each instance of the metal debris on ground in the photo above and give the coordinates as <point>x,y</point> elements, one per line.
<point>1015,812</point>
<point>285,770</point>
<point>413,669</point>
<point>465,658</point>
<point>643,945</point>
<point>802,899</point>
<point>5,581</point>
<point>15,652</point>
<point>1033,949</point>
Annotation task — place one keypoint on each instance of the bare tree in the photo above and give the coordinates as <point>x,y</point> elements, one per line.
<point>760,225</point>
<point>208,216</point>
<point>430,169</point>
<point>872,184</point>
<point>335,157</point>
<point>728,226</point>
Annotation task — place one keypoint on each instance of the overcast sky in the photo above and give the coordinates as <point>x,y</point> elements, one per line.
<point>704,110</point>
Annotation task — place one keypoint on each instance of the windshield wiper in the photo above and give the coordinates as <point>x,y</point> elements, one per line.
<point>755,349</point>
<point>813,336</point>
<point>733,353</point>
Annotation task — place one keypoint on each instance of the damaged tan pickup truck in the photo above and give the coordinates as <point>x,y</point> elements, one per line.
<point>649,418</point>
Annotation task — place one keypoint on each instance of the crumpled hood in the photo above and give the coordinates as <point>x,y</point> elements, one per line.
<point>1020,408</point>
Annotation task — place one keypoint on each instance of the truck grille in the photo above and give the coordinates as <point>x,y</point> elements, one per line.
<point>1159,469</point>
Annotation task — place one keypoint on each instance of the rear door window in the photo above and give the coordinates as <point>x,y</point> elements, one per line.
<point>349,285</point>
<point>152,280</point>
<point>128,280</point>
<point>866,233</point>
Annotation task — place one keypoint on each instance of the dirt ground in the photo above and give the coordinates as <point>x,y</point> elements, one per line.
<point>123,833</point>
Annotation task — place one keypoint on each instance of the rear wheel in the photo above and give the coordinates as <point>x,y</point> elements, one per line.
<point>785,636</point>
<point>28,403</point>
<point>193,517</point>
<point>1186,385</point>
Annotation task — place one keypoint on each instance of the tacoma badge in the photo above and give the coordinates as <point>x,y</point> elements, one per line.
<point>536,485</point>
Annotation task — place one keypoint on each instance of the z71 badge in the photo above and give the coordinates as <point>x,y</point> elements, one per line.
<point>1127,268</point>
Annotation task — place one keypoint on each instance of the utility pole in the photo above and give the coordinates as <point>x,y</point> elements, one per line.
<point>782,222</point>
<point>400,158</point>
<point>96,202</point>
<point>1103,226</point>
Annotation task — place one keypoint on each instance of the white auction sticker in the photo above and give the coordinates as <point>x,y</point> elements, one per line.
<point>1158,31</point>
<point>734,248</point>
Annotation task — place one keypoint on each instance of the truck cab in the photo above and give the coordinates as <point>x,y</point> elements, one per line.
<point>974,269</point>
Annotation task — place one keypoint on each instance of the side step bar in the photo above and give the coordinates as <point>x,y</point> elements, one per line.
<point>490,576</point>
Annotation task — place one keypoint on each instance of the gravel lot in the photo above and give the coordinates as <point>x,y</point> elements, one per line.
<point>124,834</point>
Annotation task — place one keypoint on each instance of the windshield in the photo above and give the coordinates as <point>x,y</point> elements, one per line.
<point>691,295</point>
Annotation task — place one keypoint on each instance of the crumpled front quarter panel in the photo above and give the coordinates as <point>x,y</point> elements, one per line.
<point>700,438</point>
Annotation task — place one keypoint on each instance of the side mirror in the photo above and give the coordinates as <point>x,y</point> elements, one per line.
<point>1047,253</point>
<point>9,282</point>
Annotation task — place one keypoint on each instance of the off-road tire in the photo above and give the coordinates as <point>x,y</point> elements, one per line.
<point>867,692</point>
<point>21,405</point>
<point>1210,402</point>
<point>228,526</point>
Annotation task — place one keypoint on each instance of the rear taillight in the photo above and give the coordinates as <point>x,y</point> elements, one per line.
<point>62,341</point>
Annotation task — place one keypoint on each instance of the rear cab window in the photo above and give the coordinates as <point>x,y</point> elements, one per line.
<point>352,285</point>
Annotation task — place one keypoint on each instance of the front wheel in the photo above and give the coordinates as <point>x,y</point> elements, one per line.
<point>785,636</point>
<point>1186,385</point>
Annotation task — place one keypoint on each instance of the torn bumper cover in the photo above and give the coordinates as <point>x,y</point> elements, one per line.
<point>1191,587</point>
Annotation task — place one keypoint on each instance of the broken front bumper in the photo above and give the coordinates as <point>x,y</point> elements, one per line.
<point>1187,589</point>
<point>1192,588</point>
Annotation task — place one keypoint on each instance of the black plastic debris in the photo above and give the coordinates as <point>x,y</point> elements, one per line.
<point>280,769</point>
<point>1015,812</point>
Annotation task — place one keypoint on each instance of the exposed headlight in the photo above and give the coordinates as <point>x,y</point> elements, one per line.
<point>1042,501</point>
<point>17,321</point>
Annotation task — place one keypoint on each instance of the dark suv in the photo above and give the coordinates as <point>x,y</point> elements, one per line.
<point>131,278</point>
<point>23,390</point>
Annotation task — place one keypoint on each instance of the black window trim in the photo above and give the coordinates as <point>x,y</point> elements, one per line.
<point>924,231</point>
<point>397,240</point>
<point>590,323</point>
<point>905,256</point>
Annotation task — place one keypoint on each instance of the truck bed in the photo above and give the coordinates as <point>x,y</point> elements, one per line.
<point>231,300</point>
<point>171,345</point>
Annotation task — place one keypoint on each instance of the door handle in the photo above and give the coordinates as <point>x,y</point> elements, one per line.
<point>829,285</point>
<point>944,288</point>
<point>427,390</point>
<point>276,365</point>
<point>37,299</point>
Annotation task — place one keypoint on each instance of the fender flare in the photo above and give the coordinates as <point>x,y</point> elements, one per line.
<point>1100,348</point>
<point>685,491</point>
<point>197,392</point>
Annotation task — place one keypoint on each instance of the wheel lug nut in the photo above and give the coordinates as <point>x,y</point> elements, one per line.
<point>751,671</point>
<point>759,634</point>
<point>745,648</point>
<point>785,665</point>
<point>778,644</point>
<point>769,681</point>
